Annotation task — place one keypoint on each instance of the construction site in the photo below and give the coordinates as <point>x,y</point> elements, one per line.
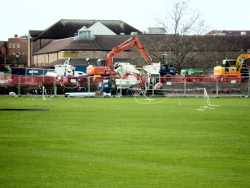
<point>84,66</point>
<point>100,103</point>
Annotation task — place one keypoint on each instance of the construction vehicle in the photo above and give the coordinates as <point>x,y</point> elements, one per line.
<point>242,63</point>
<point>133,42</point>
<point>234,68</point>
<point>167,70</point>
<point>108,69</point>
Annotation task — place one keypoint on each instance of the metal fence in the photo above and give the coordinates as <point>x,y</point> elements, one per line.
<point>195,86</point>
<point>148,85</point>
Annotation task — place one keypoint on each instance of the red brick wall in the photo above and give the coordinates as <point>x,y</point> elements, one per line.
<point>3,52</point>
<point>17,50</point>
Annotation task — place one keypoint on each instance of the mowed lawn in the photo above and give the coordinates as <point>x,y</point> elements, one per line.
<point>124,143</point>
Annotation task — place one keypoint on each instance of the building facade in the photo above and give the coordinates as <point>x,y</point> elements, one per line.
<point>14,51</point>
<point>17,50</point>
<point>66,28</point>
<point>3,52</point>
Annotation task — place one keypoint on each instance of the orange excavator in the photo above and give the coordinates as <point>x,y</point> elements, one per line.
<point>108,69</point>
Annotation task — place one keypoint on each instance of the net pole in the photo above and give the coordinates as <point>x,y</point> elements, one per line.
<point>207,97</point>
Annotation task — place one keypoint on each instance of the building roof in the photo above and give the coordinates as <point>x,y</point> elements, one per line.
<point>65,28</point>
<point>35,33</point>
<point>100,43</point>
<point>152,42</point>
<point>104,43</point>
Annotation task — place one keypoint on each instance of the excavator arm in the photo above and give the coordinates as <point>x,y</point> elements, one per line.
<point>133,42</point>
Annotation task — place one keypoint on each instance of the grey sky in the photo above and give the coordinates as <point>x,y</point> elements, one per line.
<point>17,17</point>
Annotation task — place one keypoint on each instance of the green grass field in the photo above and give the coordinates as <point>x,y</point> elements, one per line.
<point>123,142</point>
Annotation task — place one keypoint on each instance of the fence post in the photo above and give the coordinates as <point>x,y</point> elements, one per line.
<point>88,84</point>
<point>185,86</point>
<point>248,88</point>
<point>19,86</point>
<point>145,84</point>
<point>55,87</point>
<point>217,87</point>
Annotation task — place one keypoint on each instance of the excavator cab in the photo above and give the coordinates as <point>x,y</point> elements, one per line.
<point>242,64</point>
<point>167,70</point>
<point>229,66</point>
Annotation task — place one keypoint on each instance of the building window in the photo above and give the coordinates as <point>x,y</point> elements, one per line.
<point>10,45</point>
<point>17,45</point>
<point>85,34</point>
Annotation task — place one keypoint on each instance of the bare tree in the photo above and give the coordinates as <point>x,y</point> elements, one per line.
<point>183,20</point>
<point>180,24</point>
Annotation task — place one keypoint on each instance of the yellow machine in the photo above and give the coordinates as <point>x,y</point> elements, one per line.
<point>235,68</point>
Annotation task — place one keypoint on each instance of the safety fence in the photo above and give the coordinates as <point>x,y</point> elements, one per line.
<point>146,85</point>
<point>196,86</point>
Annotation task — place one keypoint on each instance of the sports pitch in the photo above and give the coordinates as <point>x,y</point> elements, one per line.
<point>124,142</point>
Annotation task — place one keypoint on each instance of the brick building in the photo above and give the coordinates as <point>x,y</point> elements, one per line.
<point>68,28</point>
<point>17,50</point>
<point>3,52</point>
<point>85,39</point>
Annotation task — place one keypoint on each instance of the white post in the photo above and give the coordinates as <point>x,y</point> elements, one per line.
<point>88,84</point>
<point>207,97</point>
<point>55,87</point>
<point>43,92</point>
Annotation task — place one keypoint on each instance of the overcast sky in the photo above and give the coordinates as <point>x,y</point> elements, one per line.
<point>17,17</point>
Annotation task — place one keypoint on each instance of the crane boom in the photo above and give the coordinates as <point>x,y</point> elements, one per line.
<point>130,43</point>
